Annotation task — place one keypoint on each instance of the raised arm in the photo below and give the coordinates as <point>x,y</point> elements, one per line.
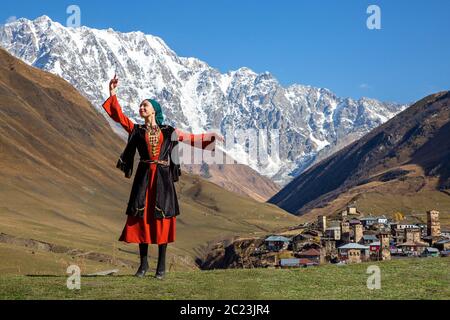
<point>201,140</point>
<point>114,110</point>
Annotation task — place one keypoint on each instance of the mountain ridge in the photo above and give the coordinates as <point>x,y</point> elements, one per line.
<point>405,156</point>
<point>313,122</point>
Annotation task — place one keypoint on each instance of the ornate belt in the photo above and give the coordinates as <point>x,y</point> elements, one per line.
<point>160,162</point>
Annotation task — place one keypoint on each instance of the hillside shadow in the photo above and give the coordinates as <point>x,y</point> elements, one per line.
<point>434,156</point>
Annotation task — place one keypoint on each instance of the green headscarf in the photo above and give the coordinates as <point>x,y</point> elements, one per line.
<point>158,111</point>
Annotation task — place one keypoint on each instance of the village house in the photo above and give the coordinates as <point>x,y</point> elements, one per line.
<point>398,235</point>
<point>345,231</point>
<point>333,233</point>
<point>298,241</point>
<point>289,262</point>
<point>412,234</point>
<point>445,253</point>
<point>443,244</point>
<point>351,210</point>
<point>368,221</point>
<point>396,225</point>
<point>430,252</point>
<point>445,233</point>
<point>296,262</point>
<point>353,253</point>
<point>277,243</point>
<point>381,249</point>
<point>352,222</point>
<point>411,248</point>
<point>329,248</point>
<point>312,254</point>
<point>368,239</point>
<point>398,231</point>
<point>374,248</point>
<point>423,229</point>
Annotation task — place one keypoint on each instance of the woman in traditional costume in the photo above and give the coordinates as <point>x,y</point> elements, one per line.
<point>153,204</point>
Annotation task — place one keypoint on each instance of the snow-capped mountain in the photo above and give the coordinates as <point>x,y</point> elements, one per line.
<point>312,122</point>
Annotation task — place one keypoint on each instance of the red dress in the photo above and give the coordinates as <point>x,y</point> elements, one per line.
<point>149,229</point>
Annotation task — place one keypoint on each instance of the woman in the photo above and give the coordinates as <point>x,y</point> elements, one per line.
<point>153,205</point>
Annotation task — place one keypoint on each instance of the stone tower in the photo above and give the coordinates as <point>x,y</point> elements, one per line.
<point>433,224</point>
<point>322,222</point>
<point>357,232</point>
<point>345,231</point>
<point>345,227</point>
<point>385,252</point>
<point>351,209</point>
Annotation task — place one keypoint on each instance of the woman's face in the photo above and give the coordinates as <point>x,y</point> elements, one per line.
<point>146,109</point>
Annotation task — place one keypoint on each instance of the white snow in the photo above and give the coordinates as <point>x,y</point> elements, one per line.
<point>195,96</point>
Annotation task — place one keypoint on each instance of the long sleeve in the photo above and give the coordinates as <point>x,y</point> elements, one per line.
<point>114,110</point>
<point>202,140</point>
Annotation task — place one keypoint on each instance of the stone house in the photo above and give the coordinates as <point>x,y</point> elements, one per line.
<point>443,244</point>
<point>353,253</point>
<point>277,243</point>
<point>312,254</point>
<point>411,248</point>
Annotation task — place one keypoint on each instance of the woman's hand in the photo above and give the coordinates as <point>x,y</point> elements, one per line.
<point>113,84</point>
<point>218,137</point>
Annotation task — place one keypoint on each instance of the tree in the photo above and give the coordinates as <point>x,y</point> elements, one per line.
<point>398,216</point>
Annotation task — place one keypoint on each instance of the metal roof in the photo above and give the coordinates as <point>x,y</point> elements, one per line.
<point>412,244</point>
<point>370,237</point>
<point>278,238</point>
<point>374,218</point>
<point>310,252</point>
<point>353,246</point>
<point>290,262</point>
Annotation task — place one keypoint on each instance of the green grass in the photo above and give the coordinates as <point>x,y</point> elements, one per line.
<point>400,279</point>
<point>77,219</point>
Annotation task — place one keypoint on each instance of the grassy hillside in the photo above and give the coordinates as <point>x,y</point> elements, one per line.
<point>237,178</point>
<point>400,279</point>
<point>208,213</point>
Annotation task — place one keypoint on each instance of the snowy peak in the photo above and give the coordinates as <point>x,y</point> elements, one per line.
<point>312,121</point>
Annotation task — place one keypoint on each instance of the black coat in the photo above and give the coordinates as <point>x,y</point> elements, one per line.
<point>166,197</point>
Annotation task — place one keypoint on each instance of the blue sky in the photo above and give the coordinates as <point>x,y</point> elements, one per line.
<point>319,43</point>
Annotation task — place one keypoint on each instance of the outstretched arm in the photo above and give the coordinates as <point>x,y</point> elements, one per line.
<point>113,108</point>
<point>201,140</point>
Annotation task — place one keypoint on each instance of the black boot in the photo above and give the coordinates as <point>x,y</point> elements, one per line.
<point>143,268</point>
<point>161,268</point>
